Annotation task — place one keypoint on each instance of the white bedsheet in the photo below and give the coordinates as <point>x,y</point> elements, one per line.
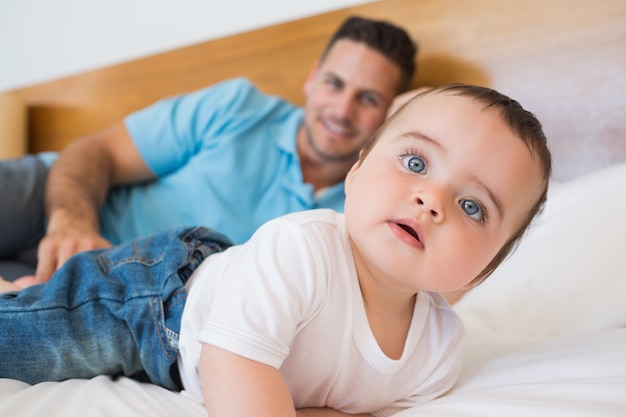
<point>569,376</point>
<point>582,375</point>
<point>547,331</point>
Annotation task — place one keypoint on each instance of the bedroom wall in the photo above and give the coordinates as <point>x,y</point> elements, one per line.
<point>42,40</point>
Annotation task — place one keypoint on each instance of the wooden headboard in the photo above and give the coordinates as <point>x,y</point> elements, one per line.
<point>565,60</point>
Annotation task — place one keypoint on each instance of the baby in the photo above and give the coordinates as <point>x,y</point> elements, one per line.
<point>319,313</point>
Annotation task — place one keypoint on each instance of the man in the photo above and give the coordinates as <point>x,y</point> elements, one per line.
<point>226,157</point>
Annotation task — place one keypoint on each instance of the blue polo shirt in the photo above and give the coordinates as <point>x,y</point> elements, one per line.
<point>225,158</point>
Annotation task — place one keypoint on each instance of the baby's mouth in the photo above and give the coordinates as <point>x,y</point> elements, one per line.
<point>410,231</point>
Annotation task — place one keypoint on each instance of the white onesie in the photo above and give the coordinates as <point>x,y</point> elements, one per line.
<point>290,298</point>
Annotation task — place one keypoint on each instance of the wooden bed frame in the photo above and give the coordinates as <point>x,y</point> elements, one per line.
<point>565,60</point>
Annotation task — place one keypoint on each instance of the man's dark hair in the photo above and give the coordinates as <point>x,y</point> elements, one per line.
<point>384,37</point>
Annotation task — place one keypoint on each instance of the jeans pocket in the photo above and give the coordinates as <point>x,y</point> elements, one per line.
<point>145,251</point>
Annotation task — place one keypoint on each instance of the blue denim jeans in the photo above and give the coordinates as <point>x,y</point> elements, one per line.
<point>113,311</point>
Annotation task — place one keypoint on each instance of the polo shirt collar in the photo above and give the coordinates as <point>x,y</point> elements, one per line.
<point>287,143</point>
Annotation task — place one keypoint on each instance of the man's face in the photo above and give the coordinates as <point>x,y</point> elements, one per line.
<point>347,99</point>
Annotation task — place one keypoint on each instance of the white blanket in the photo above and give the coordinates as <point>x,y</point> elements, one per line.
<point>547,331</point>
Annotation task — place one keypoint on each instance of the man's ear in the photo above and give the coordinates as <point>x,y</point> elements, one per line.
<point>308,84</point>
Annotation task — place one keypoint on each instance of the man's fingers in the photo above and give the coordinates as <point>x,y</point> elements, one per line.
<point>26,281</point>
<point>54,252</point>
<point>51,254</point>
<point>66,250</point>
<point>46,265</point>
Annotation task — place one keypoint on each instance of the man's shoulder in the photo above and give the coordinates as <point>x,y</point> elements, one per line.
<point>231,86</point>
<point>237,83</point>
<point>240,94</point>
<point>241,86</point>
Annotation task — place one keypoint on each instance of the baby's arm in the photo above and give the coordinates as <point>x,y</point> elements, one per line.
<point>236,386</point>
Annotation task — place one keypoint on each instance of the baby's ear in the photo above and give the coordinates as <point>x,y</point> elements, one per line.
<point>352,173</point>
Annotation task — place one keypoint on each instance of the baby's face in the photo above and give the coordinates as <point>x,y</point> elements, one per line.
<point>445,187</point>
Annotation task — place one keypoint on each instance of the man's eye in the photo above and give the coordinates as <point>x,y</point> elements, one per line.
<point>415,164</point>
<point>370,99</point>
<point>473,209</point>
<point>334,82</point>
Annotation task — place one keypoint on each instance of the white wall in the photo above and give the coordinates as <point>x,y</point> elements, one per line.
<point>42,40</point>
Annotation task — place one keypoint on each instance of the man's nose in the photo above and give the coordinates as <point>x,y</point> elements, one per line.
<point>345,105</point>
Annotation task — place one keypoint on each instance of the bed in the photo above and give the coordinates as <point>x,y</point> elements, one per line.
<point>547,331</point>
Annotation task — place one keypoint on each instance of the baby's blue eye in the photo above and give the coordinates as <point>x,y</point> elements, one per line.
<point>415,164</point>
<point>473,209</point>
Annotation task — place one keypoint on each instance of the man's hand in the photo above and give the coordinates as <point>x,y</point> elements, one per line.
<point>63,240</point>
<point>76,190</point>
<point>8,286</point>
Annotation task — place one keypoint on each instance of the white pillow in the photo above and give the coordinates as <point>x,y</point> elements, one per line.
<point>569,273</point>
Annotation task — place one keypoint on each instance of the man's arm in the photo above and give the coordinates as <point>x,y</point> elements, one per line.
<point>76,190</point>
<point>235,386</point>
